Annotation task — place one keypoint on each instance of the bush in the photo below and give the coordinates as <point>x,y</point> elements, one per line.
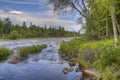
<point>4,52</point>
<point>107,57</point>
<point>25,51</point>
<point>69,47</point>
<point>101,55</point>
<point>14,35</point>
<point>109,75</point>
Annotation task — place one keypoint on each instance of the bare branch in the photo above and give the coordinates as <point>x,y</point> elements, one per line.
<point>78,10</point>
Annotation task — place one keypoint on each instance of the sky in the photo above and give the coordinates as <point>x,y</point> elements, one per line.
<point>38,12</point>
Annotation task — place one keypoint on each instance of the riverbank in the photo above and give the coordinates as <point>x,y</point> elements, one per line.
<point>101,55</point>
<point>46,65</point>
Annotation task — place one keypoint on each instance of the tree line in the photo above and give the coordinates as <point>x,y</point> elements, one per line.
<point>100,18</point>
<point>8,30</point>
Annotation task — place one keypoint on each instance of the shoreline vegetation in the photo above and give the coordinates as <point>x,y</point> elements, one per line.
<point>101,20</point>
<point>101,55</point>
<point>4,53</point>
<point>10,31</point>
<point>23,52</point>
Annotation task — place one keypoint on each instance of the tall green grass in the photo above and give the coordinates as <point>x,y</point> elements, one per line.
<point>104,52</point>
<point>107,57</point>
<point>25,51</point>
<point>4,53</point>
<point>71,46</point>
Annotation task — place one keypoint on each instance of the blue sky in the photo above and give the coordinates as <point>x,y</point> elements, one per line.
<point>36,11</point>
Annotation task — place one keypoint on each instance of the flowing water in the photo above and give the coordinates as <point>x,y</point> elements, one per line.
<point>48,65</point>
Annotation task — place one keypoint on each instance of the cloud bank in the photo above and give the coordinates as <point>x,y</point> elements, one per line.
<point>49,19</point>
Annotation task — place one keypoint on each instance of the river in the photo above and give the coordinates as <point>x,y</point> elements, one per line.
<point>47,65</point>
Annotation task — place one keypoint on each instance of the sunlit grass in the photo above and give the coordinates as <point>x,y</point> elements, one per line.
<point>69,47</point>
<point>4,53</point>
<point>103,52</point>
<point>25,51</point>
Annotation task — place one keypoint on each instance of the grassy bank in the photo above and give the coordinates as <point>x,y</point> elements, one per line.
<point>102,55</point>
<point>4,53</point>
<point>25,51</point>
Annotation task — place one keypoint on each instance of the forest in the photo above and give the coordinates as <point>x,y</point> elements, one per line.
<point>98,47</point>
<point>8,30</point>
<point>100,18</point>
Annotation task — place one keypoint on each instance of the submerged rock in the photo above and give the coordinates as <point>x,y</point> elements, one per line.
<point>36,59</point>
<point>61,62</point>
<point>50,45</point>
<point>77,70</point>
<point>67,70</point>
<point>15,60</point>
<point>80,68</point>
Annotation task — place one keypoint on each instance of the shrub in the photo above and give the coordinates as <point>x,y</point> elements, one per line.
<point>109,75</point>
<point>25,51</point>
<point>69,47</point>
<point>4,52</point>
<point>14,35</point>
<point>100,54</point>
<point>107,57</point>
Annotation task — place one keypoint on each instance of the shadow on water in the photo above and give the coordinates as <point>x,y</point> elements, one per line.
<point>48,65</point>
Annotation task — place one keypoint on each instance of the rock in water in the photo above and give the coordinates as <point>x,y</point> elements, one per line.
<point>15,60</point>
<point>61,62</point>
<point>66,70</point>
<point>77,69</point>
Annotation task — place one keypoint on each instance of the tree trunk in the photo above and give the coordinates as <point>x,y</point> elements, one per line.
<point>99,34</point>
<point>107,32</point>
<point>114,28</point>
<point>88,28</point>
<point>98,18</point>
<point>118,27</point>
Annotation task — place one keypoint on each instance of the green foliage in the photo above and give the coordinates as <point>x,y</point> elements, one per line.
<point>25,51</point>
<point>14,35</point>
<point>109,75</point>
<point>107,57</point>
<point>84,45</point>
<point>82,61</point>
<point>96,44</point>
<point>4,52</point>
<point>11,31</point>
<point>69,47</point>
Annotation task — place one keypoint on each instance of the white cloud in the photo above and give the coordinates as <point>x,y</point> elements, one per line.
<point>49,19</point>
<point>15,12</point>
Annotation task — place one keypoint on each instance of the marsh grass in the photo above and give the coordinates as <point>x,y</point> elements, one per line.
<point>4,53</point>
<point>25,51</point>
